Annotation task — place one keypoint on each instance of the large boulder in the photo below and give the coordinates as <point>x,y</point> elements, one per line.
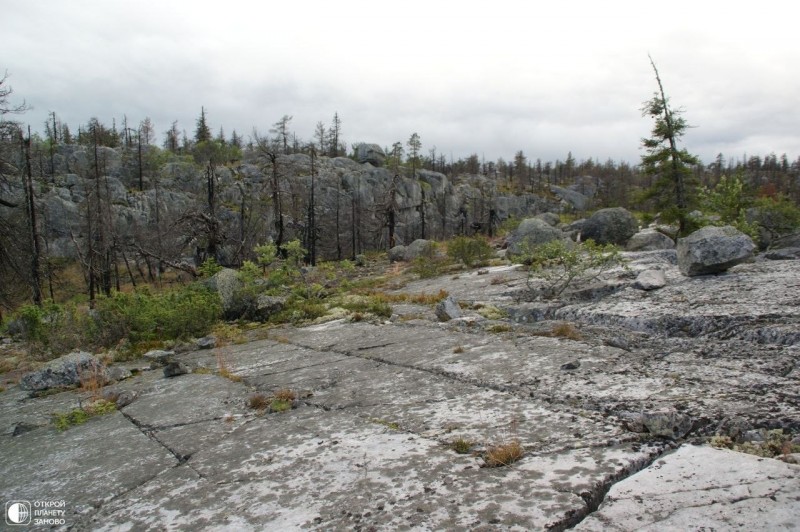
<point>419,248</point>
<point>530,233</point>
<point>229,287</point>
<point>713,250</point>
<point>66,371</point>
<point>241,301</point>
<point>370,153</point>
<point>610,226</point>
<point>397,254</point>
<point>649,240</point>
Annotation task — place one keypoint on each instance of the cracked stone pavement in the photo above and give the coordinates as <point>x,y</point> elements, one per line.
<point>368,445</point>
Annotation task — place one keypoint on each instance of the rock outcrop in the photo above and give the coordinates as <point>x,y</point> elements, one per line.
<point>713,250</point>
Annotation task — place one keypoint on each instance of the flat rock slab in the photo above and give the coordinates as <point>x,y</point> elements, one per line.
<point>202,409</point>
<point>702,488</point>
<point>309,468</point>
<point>81,465</point>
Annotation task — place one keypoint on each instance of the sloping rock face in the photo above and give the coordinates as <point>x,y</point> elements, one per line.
<point>713,250</point>
<point>610,226</point>
<point>530,233</point>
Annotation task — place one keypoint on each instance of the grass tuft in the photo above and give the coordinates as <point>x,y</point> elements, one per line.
<point>461,446</point>
<point>566,330</point>
<point>258,401</point>
<point>503,454</point>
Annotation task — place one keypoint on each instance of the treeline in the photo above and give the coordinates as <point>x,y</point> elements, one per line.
<point>232,213</point>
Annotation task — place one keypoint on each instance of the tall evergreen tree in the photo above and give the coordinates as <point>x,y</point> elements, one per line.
<point>674,191</point>
<point>203,132</point>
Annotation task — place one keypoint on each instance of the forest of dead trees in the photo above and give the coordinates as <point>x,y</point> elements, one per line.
<point>265,186</point>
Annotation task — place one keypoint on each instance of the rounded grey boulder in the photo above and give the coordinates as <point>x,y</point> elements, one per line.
<point>713,250</point>
<point>64,372</point>
<point>610,226</point>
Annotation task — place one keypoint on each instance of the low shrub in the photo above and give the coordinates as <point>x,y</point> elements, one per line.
<point>470,251</point>
<point>562,264</point>
<point>141,316</point>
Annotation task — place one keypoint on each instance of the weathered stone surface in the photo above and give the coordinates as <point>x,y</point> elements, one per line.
<point>665,423</point>
<point>649,240</point>
<point>86,466</point>
<point>650,280</point>
<point>610,226</point>
<point>65,371</point>
<point>697,488</point>
<point>368,442</point>
<point>448,309</point>
<point>370,153</point>
<point>713,250</point>
<point>530,233</point>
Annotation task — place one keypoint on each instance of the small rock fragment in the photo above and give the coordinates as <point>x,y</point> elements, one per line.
<point>206,342</point>
<point>448,309</point>
<point>650,280</point>
<point>174,369</point>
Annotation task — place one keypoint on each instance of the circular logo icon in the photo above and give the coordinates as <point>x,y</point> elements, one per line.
<point>18,513</point>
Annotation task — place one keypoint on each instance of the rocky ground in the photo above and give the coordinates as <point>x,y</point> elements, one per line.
<point>612,393</point>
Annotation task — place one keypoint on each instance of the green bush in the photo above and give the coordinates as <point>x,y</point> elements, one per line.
<point>777,216</point>
<point>209,268</point>
<point>561,264</point>
<point>470,251</point>
<point>51,328</point>
<point>142,316</point>
<point>369,305</point>
<point>728,201</point>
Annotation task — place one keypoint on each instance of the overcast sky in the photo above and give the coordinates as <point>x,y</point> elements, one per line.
<point>489,77</point>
